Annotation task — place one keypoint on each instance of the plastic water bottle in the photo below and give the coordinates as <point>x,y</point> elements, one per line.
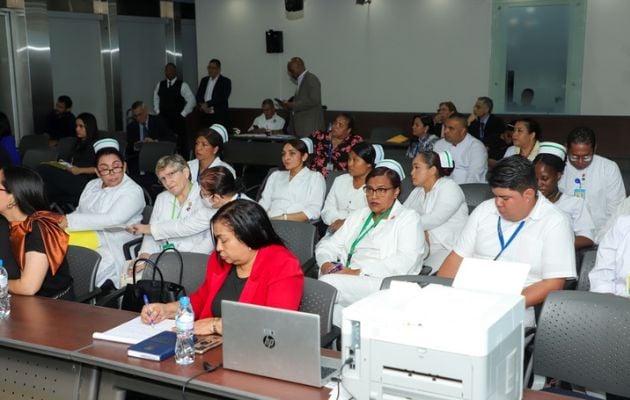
<point>5,304</point>
<point>184,321</point>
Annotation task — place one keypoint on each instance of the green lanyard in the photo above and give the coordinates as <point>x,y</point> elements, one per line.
<point>365,230</point>
<point>174,207</point>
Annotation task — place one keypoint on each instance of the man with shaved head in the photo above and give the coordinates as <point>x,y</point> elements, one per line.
<point>307,115</point>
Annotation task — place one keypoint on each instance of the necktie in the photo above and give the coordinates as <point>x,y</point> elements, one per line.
<point>168,84</point>
<point>143,131</point>
<point>482,127</point>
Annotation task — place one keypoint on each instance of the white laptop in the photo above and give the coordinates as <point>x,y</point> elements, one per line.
<point>276,343</point>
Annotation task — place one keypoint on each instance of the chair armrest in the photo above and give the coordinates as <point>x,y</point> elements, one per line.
<point>310,268</point>
<point>327,339</point>
<point>86,298</point>
<point>116,294</point>
<point>127,247</point>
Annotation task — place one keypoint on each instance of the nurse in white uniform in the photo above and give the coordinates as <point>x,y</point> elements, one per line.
<point>208,149</point>
<point>110,200</point>
<point>381,240</point>
<point>439,201</point>
<point>347,194</point>
<point>549,166</point>
<point>178,202</point>
<point>595,179</point>
<point>525,138</point>
<point>296,193</point>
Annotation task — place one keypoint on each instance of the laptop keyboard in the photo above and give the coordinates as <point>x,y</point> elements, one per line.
<point>327,371</point>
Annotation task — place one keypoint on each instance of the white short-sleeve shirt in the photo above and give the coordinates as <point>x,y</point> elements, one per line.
<point>612,265</point>
<point>342,199</point>
<point>302,193</point>
<point>470,157</point>
<point>575,208</point>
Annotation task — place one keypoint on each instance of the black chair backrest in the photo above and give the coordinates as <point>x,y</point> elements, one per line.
<point>33,142</point>
<point>151,152</point>
<point>83,263</point>
<point>330,179</point>
<point>406,187</point>
<point>34,157</point>
<point>298,236</point>
<point>476,193</point>
<point>319,298</point>
<point>65,147</point>
<point>587,264</point>
<point>582,338</point>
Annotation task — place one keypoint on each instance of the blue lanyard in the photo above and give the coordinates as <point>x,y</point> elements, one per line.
<point>502,240</point>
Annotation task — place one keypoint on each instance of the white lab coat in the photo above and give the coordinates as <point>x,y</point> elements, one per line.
<point>304,193</point>
<point>443,212</point>
<point>395,246</point>
<point>342,199</point>
<point>166,211</point>
<point>101,207</point>
<point>197,221</point>
<point>581,220</point>
<point>612,265</point>
<point>194,167</point>
<point>603,185</point>
<point>470,157</point>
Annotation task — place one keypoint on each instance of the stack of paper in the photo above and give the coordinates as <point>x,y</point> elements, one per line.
<point>134,331</point>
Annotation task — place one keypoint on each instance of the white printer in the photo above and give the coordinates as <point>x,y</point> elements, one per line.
<point>434,343</point>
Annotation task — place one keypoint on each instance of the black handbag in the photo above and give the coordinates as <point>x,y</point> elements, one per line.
<point>157,291</point>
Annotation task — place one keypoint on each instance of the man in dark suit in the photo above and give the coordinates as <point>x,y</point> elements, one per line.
<point>212,95</point>
<point>488,128</point>
<point>307,115</point>
<point>144,128</point>
<point>60,121</point>
<point>173,101</point>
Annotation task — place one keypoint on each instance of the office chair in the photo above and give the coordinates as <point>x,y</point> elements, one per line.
<point>475,194</point>
<point>587,264</point>
<point>582,339</point>
<point>33,142</point>
<point>319,298</point>
<point>34,157</point>
<point>300,239</point>
<point>83,263</point>
<point>65,147</point>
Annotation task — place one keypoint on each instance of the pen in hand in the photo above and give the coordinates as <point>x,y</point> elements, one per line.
<point>146,303</point>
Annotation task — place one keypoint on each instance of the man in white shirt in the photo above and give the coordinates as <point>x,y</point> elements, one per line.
<point>173,101</point>
<point>469,153</point>
<point>268,121</point>
<point>612,266</point>
<point>595,179</point>
<point>518,225</point>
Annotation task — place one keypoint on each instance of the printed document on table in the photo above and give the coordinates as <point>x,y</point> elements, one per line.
<point>134,331</point>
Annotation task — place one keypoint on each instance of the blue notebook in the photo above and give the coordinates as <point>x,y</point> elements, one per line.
<point>155,348</point>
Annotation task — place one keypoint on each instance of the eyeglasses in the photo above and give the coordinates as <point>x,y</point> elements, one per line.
<point>169,175</point>
<point>110,171</point>
<point>4,190</point>
<point>378,191</point>
<point>586,158</point>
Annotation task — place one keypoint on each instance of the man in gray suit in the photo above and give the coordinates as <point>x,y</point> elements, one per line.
<point>306,106</point>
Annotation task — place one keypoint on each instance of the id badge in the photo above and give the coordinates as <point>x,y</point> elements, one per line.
<point>329,166</point>
<point>580,193</point>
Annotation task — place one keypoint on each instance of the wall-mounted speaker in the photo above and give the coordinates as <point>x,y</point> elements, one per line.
<point>293,5</point>
<point>275,43</point>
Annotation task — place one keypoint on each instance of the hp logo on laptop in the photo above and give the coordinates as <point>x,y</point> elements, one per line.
<point>269,339</point>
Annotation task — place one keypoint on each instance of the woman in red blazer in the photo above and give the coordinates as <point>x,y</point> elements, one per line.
<point>250,264</point>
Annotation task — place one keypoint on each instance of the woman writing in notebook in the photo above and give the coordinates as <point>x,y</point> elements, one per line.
<point>250,265</point>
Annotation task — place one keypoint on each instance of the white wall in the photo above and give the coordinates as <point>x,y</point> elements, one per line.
<point>389,56</point>
<point>606,69</point>
<point>394,55</point>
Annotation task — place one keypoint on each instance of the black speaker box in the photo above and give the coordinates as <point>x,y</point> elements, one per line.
<point>294,5</point>
<point>275,42</point>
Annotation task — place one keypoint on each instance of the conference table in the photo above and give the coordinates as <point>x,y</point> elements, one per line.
<point>47,352</point>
